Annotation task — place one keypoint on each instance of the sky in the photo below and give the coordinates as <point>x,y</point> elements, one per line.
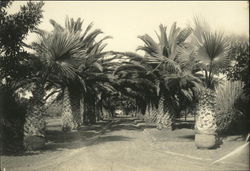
<point>126,20</point>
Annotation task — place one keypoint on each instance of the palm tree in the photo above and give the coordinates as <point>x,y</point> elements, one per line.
<point>72,58</point>
<point>134,81</point>
<point>172,62</point>
<point>212,50</point>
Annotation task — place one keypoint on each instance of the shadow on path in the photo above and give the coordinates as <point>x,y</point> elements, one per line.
<point>58,140</point>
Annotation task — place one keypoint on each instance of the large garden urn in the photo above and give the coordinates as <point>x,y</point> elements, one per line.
<point>205,125</point>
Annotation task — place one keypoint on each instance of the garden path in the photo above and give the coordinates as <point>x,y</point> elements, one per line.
<point>121,145</point>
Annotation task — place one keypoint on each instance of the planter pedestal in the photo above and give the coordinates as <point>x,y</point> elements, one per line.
<point>205,141</point>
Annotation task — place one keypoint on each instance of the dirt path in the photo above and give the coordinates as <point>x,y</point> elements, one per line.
<point>121,146</point>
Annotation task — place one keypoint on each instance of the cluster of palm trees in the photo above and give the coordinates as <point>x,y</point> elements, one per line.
<point>73,62</point>
<point>174,70</point>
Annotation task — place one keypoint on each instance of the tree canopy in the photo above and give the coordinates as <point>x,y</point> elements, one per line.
<point>14,59</point>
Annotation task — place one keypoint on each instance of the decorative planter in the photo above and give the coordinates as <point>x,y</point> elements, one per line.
<point>205,141</point>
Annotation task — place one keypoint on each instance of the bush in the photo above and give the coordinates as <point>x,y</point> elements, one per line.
<point>150,114</point>
<point>226,97</point>
<point>12,116</point>
<point>239,69</point>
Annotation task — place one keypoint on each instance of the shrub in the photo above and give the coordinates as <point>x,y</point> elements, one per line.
<point>12,116</point>
<point>150,114</point>
<point>227,95</point>
<point>239,69</point>
<point>164,118</point>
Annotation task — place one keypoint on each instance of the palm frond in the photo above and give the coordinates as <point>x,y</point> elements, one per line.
<point>86,31</point>
<point>129,67</point>
<point>170,66</point>
<point>163,39</point>
<point>73,26</point>
<point>150,43</point>
<point>183,35</point>
<point>90,38</point>
<point>56,25</point>
<point>214,49</point>
<point>200,27</point>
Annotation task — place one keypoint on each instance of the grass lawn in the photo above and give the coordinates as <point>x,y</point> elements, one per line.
<point>181,142</point>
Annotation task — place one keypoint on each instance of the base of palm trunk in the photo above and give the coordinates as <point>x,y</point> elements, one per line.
<point>34,143</point>
<point>67,128</point>
<point>205,141</point>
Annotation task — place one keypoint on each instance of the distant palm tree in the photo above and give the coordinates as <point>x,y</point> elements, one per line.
<point>134,81</point>
<point>72,58</point>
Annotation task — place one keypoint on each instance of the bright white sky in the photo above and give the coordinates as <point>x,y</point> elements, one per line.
<point>125,20</point>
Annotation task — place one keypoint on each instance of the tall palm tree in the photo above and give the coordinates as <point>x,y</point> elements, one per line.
<point>172,62</point>
<point>72,58</point>
<point>212,50</point>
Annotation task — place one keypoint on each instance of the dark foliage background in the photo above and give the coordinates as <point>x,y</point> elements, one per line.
<point>15,66</point>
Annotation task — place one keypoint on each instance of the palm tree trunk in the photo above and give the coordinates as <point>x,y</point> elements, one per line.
<point>34,125</point>
<point>98,112</point>
<point>82,110</point>
<point>71,117</point>
<point>75,101</point>
<point>89,113</point>
<point>105,112</point>
<point>164,119</point>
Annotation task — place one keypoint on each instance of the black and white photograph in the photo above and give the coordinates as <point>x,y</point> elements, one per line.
<point>124,85</point>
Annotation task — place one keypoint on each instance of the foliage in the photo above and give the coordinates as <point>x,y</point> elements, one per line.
<point>212,50</point>
<point>239,69</point>
<point>119,101</point>
<point>16,66</point>
<point>75,59</point>
<point>151,114</point>
<point>169,65</point>
<point>70,54</point>
<point>164,118</point>
<point>14,28</point>
<point>133,82</point>
<point>227,96</point>
<point>12,117</point>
